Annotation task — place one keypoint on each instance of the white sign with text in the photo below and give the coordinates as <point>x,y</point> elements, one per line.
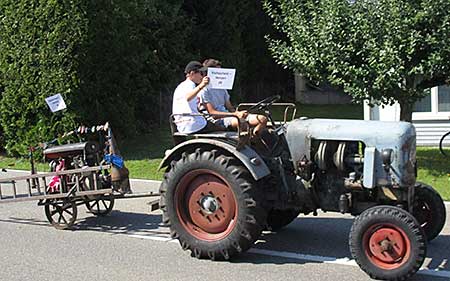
<point>56,103</point>
<point>221,78</point>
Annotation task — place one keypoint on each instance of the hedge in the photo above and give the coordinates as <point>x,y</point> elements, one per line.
<point>107,58</point>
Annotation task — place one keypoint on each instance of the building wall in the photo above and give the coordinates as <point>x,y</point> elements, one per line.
<point>429,132</point>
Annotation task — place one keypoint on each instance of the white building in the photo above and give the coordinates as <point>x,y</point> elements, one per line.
<point>431,115</point>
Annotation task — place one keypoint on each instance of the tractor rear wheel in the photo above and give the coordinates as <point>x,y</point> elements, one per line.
<point>211,205</point>
<point>429,210</point>
<point>387,243</point>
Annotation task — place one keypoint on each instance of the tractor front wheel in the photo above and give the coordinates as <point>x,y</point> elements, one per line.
<point>387,243</point>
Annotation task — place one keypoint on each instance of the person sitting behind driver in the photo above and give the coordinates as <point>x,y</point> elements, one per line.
<point>185,101</point>
<point>217,101</point>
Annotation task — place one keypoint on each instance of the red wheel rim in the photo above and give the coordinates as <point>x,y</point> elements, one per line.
<point>387,246</point>
<point>206,205</point>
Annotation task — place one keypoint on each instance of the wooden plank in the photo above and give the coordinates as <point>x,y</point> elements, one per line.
<point>77,183</point>
<point>95,182</point>
<point>45,185</point>
<point>14,189</point>
<point>10,199</point>
<point>60,173</point>
<point>29,187</point>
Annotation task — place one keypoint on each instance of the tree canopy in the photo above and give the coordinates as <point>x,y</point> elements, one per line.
<point>381,50</point>
<point>233,31</point>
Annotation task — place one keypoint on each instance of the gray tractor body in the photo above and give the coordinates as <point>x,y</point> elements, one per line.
<point>376,137</point>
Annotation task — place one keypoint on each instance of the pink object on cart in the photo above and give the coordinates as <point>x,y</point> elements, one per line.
<point>55,182</point>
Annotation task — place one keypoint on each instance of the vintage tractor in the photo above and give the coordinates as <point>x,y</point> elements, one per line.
<point>220,190</point>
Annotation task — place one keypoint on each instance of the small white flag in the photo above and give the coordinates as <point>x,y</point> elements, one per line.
<point>56,103</point>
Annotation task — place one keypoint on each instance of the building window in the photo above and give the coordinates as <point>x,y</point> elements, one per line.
<point>434,106</point>
<point>424,105</point>
<point>443,98</point>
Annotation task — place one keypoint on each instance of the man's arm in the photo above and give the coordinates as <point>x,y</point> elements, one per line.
<point>212,110</point>
<point>193,93</point>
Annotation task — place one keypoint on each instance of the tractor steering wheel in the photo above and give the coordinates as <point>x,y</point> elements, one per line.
<point>264,104</point>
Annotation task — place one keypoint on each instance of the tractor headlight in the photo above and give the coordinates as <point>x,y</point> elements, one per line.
<point>386,157</point>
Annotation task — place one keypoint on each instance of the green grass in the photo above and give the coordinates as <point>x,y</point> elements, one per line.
<point>144,153</point>
<point>434,169</point>
<point>21,164</point>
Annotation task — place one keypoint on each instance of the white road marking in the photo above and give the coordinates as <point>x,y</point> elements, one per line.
<point>155,238</point>
<point>149,181</point>
<point>447,203</point>
<point>298,256</point>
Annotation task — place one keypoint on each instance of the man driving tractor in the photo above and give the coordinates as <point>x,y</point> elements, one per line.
<point>193,93</point>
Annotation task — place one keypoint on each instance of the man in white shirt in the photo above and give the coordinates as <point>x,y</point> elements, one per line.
<point>185,100</point>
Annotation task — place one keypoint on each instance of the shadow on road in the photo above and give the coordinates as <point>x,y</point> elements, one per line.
<point>123,223</point>
<point>117,222</point>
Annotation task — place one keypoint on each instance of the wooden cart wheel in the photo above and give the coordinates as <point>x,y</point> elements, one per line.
<point>61,213</point>
<point>102,205</point>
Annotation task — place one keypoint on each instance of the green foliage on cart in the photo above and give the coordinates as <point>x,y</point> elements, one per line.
<point>388,50</point>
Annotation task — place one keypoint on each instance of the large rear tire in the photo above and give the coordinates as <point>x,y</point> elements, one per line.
<point>429,210</point>
<point>211,205</point>
<point>387,243</point>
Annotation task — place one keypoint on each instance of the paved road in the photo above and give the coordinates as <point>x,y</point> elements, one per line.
<point>130,245</point>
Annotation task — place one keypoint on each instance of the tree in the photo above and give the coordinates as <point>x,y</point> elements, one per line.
<point>133,49</point>
<point>233,31</point>
<point>383,50</point>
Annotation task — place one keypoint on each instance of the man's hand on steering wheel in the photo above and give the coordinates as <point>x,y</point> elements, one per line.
<point>241,114</point>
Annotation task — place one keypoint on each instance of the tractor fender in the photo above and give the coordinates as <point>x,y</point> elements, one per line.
<point>247,156</point>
